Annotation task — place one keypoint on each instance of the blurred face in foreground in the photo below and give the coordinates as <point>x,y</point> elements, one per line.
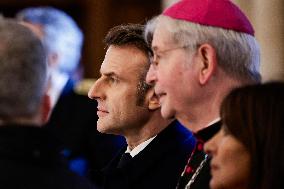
<point>230,164</point>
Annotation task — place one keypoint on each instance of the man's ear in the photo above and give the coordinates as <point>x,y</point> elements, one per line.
<point>45,108</point>
<point>153,102</point>
<point>207,62</point>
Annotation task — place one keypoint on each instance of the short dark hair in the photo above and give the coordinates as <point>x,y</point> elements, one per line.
<point>132,35</point>
<point>254,115</point>
<point>128,34</point>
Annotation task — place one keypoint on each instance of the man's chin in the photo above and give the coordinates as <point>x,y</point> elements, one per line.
<point>101,130</point>
<point>105,129</point>
<point>102,127</point>
<point>167,113</point>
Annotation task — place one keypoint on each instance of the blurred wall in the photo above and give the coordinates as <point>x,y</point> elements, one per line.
<point>101,15</point>
<point>167,3</point>
<point>267,17</point>
<point>268,21</point>
<point>95,17</point>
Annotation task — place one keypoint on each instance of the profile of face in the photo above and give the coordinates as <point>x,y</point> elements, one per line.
<point>116,91</point>
<point>172,74</point>
<point>230,164</point>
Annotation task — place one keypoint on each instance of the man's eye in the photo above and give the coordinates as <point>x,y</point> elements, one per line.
<point>113,79</point>
<point>155,60</point>
<point>155,63</point>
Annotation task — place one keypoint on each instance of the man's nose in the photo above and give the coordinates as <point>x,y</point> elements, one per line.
<point>96,91</point>
<point>151,77</point>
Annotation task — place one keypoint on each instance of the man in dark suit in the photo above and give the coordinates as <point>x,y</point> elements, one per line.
<point>29,155</point>
<point>73,119</point>
<point>157,149</point>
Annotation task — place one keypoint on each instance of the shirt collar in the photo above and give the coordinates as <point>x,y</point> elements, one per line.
<point>208,132</point>
<point>140,147</point>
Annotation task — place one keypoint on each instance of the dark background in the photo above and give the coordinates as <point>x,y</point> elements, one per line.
<point>95,18</point>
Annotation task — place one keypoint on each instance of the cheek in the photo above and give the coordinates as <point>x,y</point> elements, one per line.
<point>241,166</point>
<point>166,69</point>
<point>233,154</point>
<point>168,77</point>
<point>234,168</point>
<point>162,76</point>
<point>122,104</point>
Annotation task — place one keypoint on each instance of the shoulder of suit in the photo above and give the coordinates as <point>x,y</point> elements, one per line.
<point>82,87</point>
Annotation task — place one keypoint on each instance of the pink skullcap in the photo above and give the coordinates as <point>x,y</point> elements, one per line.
<point>217,13</point>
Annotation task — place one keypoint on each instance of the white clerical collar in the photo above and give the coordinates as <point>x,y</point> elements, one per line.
<point>140,147</point>
<point>214,121</point>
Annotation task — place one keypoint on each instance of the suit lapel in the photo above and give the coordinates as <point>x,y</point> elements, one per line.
<point>166,142</point>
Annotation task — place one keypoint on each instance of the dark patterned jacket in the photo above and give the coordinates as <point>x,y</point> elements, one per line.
<point>196,174</point>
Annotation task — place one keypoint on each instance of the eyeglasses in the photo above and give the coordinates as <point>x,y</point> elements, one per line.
<point>158,55</point>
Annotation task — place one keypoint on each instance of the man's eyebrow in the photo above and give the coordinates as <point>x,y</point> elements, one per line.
<point>110,74</point>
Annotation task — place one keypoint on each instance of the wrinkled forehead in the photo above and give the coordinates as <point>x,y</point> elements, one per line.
<point>117,60</point>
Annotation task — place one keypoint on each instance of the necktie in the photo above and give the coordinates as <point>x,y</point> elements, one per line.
<point>125,158</point>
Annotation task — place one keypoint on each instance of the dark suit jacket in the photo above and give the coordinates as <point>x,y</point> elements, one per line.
<point>159,165</point>
<point>74,122</point>
<point>29,159</point>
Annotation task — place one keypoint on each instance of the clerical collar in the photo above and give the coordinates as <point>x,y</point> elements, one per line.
<point>140,147</point>
<point>208,132</point>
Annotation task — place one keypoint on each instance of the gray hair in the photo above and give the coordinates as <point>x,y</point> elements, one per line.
<point>23,71</point>
<point>61,34</point>
<point>237,53</point>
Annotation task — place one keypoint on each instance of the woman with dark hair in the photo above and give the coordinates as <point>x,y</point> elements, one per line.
<point>248,152</point>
